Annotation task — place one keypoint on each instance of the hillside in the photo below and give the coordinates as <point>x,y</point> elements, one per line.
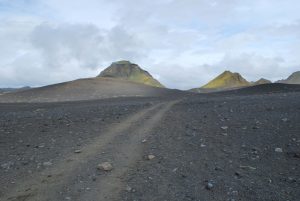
<point>227,80</point>
<point>86,89</point>
<point>262,81</point>
<point>125,70</point>
<point>292,79</point>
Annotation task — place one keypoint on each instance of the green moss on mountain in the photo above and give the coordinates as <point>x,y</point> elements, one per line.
<point>227,80</point>
<point>126,70</point>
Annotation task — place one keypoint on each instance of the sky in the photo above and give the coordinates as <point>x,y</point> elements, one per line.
<point>182,43</point>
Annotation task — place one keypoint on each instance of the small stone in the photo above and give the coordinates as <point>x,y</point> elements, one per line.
<point>128,189</point>
<point>224,127</point>
<point>106,166</point>
<point>150,157</point>
<point>48,163</point>
<point>77,151</point>
<point>284,119</point>
<point>278,150</point>
<point>209,185</point>
<point>144,141</point>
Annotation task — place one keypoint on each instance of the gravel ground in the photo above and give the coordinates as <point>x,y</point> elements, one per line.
<point>236,145</point>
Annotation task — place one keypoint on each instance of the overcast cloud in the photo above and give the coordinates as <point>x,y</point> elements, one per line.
<point>183,44</point>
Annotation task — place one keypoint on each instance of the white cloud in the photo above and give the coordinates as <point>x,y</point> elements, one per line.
<point>183,43</point>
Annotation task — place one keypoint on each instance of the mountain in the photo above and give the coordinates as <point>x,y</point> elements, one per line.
<point>292,79</point>
<point>125,70</point>
<point>262,81</point>
<point>227,80</point>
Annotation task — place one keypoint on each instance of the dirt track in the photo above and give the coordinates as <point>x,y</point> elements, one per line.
<point>206,147</point>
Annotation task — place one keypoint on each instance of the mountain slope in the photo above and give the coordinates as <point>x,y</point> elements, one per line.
<point>292,79</point>
<point>86,89</point>
<point>262,81</point>
<point>126,70</point>
<point>227,80</point>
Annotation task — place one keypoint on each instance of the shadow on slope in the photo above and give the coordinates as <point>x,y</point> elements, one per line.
<point>87,89</point>
<point>264,89</point>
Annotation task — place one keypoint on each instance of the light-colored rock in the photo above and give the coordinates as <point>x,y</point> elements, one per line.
<point>77,151</point>
<point>128,189</point>
<point>278,150</point>
<point>224,127</point>
<point>150,157</point>
<point>106,166</point>
<point>48,163</point>
<point>209,185</point>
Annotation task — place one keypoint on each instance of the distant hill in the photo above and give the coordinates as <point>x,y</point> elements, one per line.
<point>87,89</point>
<point>262,81</point>
<point>7,90</point>
<point>292,79</point>
<point>226,80</point>
<point>125,70</point>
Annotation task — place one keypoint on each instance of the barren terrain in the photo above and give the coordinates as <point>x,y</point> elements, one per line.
<point>235,145</point>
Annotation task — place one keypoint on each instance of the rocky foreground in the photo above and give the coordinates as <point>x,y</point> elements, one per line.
<point>235,145</point>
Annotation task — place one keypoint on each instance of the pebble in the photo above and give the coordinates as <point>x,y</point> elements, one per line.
<point>278,150</point>
<point>284,119</point>
<point>150,157</point>
<point>209,185</point>
<point>128,189</point>
<point>106,166</point>
<point>77,151</point>
<point>48,163</point>
<point>224,127</point>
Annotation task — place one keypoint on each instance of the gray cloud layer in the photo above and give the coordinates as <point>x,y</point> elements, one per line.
<point>182,43</point>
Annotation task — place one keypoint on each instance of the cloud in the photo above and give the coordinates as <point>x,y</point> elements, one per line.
<point>60,52</point>
<point>183,43</point>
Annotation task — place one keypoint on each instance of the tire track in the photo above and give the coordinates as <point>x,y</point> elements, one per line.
<point>123,140</point>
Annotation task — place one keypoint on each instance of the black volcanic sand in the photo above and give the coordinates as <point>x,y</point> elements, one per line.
<point>221,146</point>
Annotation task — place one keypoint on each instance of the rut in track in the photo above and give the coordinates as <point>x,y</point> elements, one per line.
<point>123,147</point>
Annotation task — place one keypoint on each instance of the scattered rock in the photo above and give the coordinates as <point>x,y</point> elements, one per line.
<point>278,150</point>
<point>48,163</point>
<point>106,166</point>
<point>77,151</point>
<point>284,119</point>
<point>7,165</point>
<point>237,175</point>
<point>209,185</point>
<point>144,141</point>
<point>247,167</point>
<point>224,127</point>
<point>150,157</point>
<point>128,189</point>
